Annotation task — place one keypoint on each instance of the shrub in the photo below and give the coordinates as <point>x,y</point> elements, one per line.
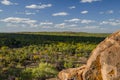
<point>43,71</point>
<point>68,64</point>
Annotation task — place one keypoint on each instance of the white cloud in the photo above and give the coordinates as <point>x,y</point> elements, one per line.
<point>46,27</point>
<point>72,7</point>
<point>84,12</point>
<point>1,10</point>
<point>110,12</point>
<point>26,22</point>
<point>76,20</point>
<point>65,25</point>
<point>40,6</point>
<point>26,13</point>
<point>107,12</point>
<point>46,23</point>
<point>7,2</point>
<point>89,1</point>
<point>61,25</point>
<point>29,13</point>
<point>73,25</point>
<point>17,20</point>
<point>86,28</point>
<point>91,27</point>
<point>11,24</point>
<point>60,14</point>
<point>112,22</point>
<point>84,21</point>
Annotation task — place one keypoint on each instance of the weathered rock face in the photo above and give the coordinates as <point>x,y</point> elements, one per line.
<point>71,74</point>
<point>103,64</point>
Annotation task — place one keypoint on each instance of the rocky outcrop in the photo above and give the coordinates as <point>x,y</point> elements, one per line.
<point>103,64</point>
<point>71,74</point>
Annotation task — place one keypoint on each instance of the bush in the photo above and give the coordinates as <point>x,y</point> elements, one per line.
<point>43,71</point>
<point>68,64</point>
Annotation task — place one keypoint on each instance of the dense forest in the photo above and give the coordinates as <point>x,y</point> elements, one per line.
<point>40,55</point>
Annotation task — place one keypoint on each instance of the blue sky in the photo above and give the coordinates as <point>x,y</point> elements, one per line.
<point>99,16</point>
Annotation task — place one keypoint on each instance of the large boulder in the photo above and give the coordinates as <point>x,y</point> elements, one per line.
<point>103,64</point>
<point>71,74</point>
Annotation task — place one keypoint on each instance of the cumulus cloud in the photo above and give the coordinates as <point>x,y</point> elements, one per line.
<point>46,23</point>
<point>61,25</point>
<point>84,12</point>
<point>73,25</point>
<point>65,26</point>
<point>91,27</point>
<point>17,20</point>
<point>89,1</point>
<point>77,20</point>
<point>72,7</point>
<point>29,13</point>
<point>88,28</point>
<point>84,21</point>
<point>26,22</point>
<point>26,13</point>
<point>40,6</point>
<point>110,12</point>
<point>112,22</point>
<point>7,2</point>
<point>12,24</point>
<point>60,14</point>
<point>107,12</point>
<point>1,10</point>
